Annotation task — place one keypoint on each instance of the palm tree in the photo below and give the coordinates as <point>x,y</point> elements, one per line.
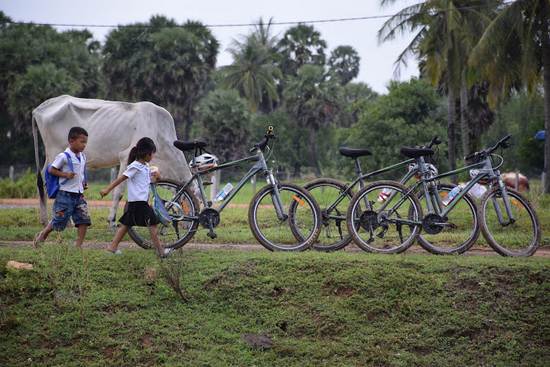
<point>312,100</point>
<point>301,45</point>
<point>254,72</point>
<point>514,52</point>
<point>445,32</point>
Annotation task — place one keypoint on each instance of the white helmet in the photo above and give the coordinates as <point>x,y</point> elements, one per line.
<point>204,161</point>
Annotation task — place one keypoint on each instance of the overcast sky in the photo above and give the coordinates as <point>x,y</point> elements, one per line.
<point>377,61</point>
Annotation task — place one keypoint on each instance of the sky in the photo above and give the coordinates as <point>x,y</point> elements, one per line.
<point>377,60</point>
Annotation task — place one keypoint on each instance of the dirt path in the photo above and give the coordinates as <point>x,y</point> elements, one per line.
<point>33,203</point>
<point>474,251</point>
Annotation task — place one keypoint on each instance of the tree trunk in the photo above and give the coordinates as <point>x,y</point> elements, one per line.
<point>546,84</point>
<point>465,124</point>
<point>187,117</point>
<point>313,151</point>
<point>297,165</point>
<point>451,118</point>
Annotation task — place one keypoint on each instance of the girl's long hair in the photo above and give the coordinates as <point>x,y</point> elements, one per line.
<point>143,148</point>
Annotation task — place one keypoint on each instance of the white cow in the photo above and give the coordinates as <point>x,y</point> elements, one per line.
<point>113,129</point>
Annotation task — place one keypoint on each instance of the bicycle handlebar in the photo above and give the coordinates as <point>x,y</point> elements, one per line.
<point>502,143</point>
<point>262,144</point>
<point>435,141</point>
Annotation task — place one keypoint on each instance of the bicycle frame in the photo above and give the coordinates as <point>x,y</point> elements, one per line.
<point>259,167</point>
<point>362,177</point>
<point>433,200</point>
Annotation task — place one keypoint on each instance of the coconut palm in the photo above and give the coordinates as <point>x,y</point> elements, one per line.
<point>445,32</point>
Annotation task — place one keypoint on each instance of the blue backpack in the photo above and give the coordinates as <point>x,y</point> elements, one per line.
<point>52,182</point>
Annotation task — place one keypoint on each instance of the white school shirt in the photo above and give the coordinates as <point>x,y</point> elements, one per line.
<point>75,184</point>
<point>139,179</point>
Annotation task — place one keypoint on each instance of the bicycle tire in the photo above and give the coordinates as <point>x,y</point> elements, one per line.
<point>302,243</point>
<point>462,247</point>
<point>354,209</point>
<point>490,238</point>
<point>327,222</point>
<point>192,207</point>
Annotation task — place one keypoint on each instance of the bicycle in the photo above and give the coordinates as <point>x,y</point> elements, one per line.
<point>511,229</point>
<point>334,196</point>
<point>268,215</point>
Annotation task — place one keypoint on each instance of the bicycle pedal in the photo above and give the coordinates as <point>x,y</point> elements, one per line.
<point>212,234</point>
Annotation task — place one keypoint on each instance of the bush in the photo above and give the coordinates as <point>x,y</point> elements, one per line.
<point>24,187</point>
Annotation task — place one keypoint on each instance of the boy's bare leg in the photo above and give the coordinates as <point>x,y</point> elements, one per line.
<point>121,231</point>
<point>81,229</point>
<point>42,235</point>
<point>154,236</point>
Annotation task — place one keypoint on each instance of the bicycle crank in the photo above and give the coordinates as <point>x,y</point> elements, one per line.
<point>434,223</point>
<point>209,218</point>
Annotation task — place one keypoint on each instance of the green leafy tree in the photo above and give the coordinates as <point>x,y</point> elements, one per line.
<point>40,82</point>
<point>225,122</point>
<point>162,62</point>
<point>522,115</point>
<point>38,63</point>
<point>514,52</point>
<point>71,57</point>
<point>410,114</point>
<point>352,100</point>
<point>344,63</point>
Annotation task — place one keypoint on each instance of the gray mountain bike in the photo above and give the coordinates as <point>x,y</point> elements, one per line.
<point>334,197</point>
<point>269,217</point>
<point>508,221</point>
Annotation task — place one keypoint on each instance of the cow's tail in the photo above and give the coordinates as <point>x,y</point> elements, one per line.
<point>39,180</point>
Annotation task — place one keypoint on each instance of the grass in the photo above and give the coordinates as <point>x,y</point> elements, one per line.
<point>89,308</point>
<point>23,224</point>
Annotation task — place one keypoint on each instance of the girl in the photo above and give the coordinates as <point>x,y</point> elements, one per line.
<point>138,211</point>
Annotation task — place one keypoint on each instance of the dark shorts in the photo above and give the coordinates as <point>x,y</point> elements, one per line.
<point>70,205</point>
<point>138,213</point>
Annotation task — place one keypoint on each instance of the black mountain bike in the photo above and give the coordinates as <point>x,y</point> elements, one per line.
<point>269,217</point>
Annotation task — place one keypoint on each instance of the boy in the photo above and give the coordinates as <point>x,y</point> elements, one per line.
<point>69,201</point>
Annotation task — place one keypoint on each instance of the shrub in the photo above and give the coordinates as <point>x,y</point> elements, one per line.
<point>23,187</point>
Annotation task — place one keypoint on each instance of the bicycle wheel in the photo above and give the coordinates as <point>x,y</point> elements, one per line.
<point>383,218</point>
<point>180,231</point>
<point>520,238</point>
<point>275,233</point>
<point>334,231</point>
<point>463,229</point>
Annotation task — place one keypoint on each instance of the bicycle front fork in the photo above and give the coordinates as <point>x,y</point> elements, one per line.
<point>507,205</point>
<point>276,197</point>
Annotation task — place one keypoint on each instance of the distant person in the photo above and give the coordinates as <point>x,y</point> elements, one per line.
<point>69,201</point>
<point>138,211</point>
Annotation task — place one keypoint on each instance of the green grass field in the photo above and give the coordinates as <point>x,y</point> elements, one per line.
<point>90,308</point>
<point>23,223</point>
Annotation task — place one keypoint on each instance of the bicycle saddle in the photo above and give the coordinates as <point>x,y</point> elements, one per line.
<point>354,152</point>
<point>189,145</point>
<point>416,152</point>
